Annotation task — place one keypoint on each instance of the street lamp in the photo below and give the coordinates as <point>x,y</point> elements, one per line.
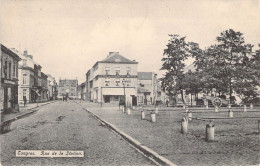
<point>124,82</point>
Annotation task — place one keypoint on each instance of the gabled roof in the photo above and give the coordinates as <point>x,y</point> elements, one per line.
<point>144,75</point>
<point>72,83</point>
<point>115,57</point>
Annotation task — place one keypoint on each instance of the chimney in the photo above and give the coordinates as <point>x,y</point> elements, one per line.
<point>110,53</point>
<point>25,53</point>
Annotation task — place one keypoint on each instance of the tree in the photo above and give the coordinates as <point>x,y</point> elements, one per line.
<point>173,62</point>
<point>232,53</point>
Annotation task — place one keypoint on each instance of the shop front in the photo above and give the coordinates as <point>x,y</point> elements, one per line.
<point>9,92</point>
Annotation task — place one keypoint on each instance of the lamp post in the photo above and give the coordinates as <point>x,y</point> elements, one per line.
<point>123,82</point>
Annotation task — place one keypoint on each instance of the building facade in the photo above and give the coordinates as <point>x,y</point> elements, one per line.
<point>112,79</point>
<point>44,88</point>
<point>68,88</point>
<point>51,83</point>
<point>9,80</point>
<point>26,75</point>
<point>147,88</point>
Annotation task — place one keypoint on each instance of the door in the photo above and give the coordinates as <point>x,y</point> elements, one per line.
<point>134,100</point>
<point>107,99</point>
<point>5,98</point>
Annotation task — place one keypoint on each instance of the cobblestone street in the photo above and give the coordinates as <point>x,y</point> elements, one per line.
<point>66,126</point>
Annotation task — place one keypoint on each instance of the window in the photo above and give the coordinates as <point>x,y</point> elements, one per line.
<point>10,69</point>
<point>107,81</point>
<point>117,81</point>
<point>24,79</point>
<point>24,92</point>
<point>116,98</point>
<point>128,82</point>
<point>24,62</point>
<point>5,70</point>
<point>117,70</point>
<point>128,70</point>
<point>14,70</point>
<point>107,70</point>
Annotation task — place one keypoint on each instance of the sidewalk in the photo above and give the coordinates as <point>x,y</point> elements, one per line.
<point>23,110</point>
<point>235,143</point>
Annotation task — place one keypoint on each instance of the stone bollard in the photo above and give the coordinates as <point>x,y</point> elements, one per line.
<point>210,132</point>
<point>207,107</point>
<point>156,110</point>
<point>230,113</point>
<point>123,110</point>
<point>184,125</point>
<point>251,106</point>
<point>143,115</point>
<point>184,106</point>
<point>153,117</point>
<point>229,106</point>
<point>128,111</point>
<point>190,115</point>
<point>134,107</point>
<point>245,108</point>
<point>216,108</point>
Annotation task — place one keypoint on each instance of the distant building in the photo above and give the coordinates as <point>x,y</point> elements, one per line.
<point>9,80</point>
<point>51,83</point>
<point>68,88</point>
<point>26,78</point>
<point>82,91</point>
<point>112,78</point>
<point>147,87</point>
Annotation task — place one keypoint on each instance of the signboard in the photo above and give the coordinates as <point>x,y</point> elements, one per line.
<point>8,81</point>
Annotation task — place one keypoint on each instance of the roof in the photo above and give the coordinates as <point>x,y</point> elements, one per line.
<point>73,83</point>
<point>10,52</point>
<point>190,67</point>
<point>142,90</point>
<point>115,57</point>
<point>145,75</point>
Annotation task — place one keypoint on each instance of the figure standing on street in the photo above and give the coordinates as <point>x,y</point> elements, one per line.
<point>24,100</point>
<point>167,102</point>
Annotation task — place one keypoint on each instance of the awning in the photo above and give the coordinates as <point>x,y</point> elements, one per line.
<point>118,91</point>
<point>143,90</point>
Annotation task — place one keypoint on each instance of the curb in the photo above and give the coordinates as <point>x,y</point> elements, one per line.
<point>147,151</point>
<point>8,122</point>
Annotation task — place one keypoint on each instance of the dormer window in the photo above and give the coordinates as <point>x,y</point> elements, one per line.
<point>107,70</point>
<point>117,70</point>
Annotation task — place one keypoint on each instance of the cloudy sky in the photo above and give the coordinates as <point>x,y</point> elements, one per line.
<point>68,37</point>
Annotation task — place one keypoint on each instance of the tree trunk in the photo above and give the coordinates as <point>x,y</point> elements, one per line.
<point>191,99</point>
<point>182,96</point>
<point>230,91</point>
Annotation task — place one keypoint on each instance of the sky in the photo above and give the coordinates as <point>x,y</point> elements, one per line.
<point>67,37</point>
